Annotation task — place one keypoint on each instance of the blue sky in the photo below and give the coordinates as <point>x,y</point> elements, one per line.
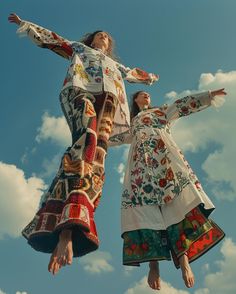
<point>191,45</point>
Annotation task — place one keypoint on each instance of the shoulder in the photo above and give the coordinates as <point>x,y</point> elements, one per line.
<point>78,46</point>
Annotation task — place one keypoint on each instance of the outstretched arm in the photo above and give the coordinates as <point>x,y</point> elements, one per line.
<point>42,37</point>
<point>191,104</point>
<point>119,139</point>
<point>137,75</point>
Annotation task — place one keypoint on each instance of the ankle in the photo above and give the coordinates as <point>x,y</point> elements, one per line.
<point>154,265</point>
<point>65,234</point>
<point>183,257</point>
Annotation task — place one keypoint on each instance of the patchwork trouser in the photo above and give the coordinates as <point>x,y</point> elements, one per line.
<point>194,236</point>
<point>76,190</point>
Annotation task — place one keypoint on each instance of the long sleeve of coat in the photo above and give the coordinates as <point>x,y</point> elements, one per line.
<point>45,38</point>
<point>119,139</point>
<point>187,105</point>
<point>137,75</point>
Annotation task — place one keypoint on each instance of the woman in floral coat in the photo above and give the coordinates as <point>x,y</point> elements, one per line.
<point>164,210</point>
<point>94,103</point>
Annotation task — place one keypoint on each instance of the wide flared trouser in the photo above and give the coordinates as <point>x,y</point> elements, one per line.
<point>75,192</point>
<point>194,236</point>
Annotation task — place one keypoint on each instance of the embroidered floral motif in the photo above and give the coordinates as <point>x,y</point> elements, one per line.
<point>143,245</point>
<point>158,170</point>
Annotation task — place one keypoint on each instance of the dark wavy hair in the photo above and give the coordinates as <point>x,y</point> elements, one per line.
<point>134,109</point>
<point>87,39</point>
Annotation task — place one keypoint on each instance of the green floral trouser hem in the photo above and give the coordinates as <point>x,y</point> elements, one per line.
<point>194,235</point>
<point>145,245</point>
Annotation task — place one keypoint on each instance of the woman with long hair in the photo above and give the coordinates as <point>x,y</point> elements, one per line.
<point>94,103</point>
<point>164,209</point>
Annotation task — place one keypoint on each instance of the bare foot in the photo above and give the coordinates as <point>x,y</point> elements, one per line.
<point>154,280</point>
<point>187,273</point>
<point>63,254</point>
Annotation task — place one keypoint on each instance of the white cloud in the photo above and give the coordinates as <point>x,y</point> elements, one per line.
<point>1,292</point>
<point>142,287</point>
<point>97,262</point>
<point>120,168</point>
<point>50,167</point>
<point>19,199</point>
<point>121,171</point>
<point>54,129</point>
<point>196,132</point>
<point>171,95</point>
<point>222,281</point>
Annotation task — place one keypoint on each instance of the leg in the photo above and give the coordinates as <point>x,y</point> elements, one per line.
<point>187,273</point>
<point>190,239</point>
<point>104,128</point>
<point>154,280</point>
<point>92,157</point>
<point>77,162</point>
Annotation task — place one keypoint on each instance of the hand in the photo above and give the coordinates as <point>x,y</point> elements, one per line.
<point>14,18</point>
<point>219,92</point>
<point>155,77</point>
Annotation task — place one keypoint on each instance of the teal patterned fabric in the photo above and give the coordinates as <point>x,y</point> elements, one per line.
<point>144,245</point>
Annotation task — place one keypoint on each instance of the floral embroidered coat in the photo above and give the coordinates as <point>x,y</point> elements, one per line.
<point>157,174</point>
<point>90,69</point>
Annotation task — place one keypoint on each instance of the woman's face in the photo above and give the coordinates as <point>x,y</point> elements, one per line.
<point>143,100</point>
<point>101,40</point>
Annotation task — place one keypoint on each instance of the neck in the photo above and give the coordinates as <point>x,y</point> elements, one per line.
<point>143,107</point>
<point>100,47</point>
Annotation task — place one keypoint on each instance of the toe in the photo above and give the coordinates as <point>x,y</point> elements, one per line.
<point>192,282</point>
<point>70,254</point>
<point>189,283</point>
<point>50,266</point>
<point>155,285</point>
<point>150,284</point>
<point>63,261</point>
<point>51,263</point>
<point>56,268</point>
<point>70,258</point>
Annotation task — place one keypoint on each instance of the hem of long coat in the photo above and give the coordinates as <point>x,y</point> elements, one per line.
<point>83,242</point>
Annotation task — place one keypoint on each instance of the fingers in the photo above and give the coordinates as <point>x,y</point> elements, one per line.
<point>219,92</point>
<point>13,18</point>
